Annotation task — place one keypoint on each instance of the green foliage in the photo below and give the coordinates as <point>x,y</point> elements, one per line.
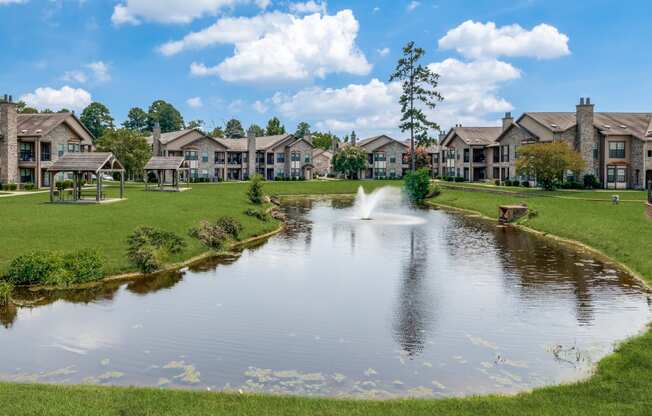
<point>9,186</point>
<point>261,214</point>
<point>591,182</point>
<point>217,132</point>
<point>65,184</point>
<point>136,120</point>
<point>234,129</point>
<point>257,130</point>
<point>195,124</point>
<point>97,119</point>
<point>22,108</point>
<point>147,247</point>
<point>50,267</point>
<point>302,129</point>
<point>28,186</point>
<point>168,117</point>
<point>255,191</point>
<point>230,225</point>
<point>548,162</point>
<point>417,185</point>
<point>274,127</point>
<point>349,161</point>
<point>419,90</point>
<point>324,140</point>
<point>5,292</point>
<point>212,235</point>
<point>129,146</point>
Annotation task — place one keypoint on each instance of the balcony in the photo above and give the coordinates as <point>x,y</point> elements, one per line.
<point>26,157</point>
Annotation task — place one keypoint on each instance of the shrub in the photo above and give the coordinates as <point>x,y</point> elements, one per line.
<point>417,185</point>
<point>61,185</point>
<point>255,191</point>
<point>435,191</point>
<point>84,265</point>
<point>28,186</point>
<point>257,213</point>
<point>591,182</point>
<point>211,235</point>
<point>497,182</point>
<point>525,184</point>
<point>5,292</point>
<point>460,179</point>
<point>34,267</point>
<point>9,187</point>
<point>230,225</point>
<point>147,247</point>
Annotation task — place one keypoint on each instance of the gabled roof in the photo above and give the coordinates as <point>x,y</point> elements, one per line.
<point>86,162</point>
<point>262,143</point>
<point>630,124</point>
<point>514,126</point>
<point>39,125</point>
<point>172,136</point>
<point>320,152</point>
<point>373,143</point>
<point>165,163</point>
<point>473,136</point>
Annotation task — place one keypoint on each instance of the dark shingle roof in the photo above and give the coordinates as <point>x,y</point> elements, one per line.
<point>84,162</point>
<point>171,136</point>
<point>39,125</point>
<point>476,136</point>
<point>634,124</point>
<point>262,143</point>
<point>164,163</point>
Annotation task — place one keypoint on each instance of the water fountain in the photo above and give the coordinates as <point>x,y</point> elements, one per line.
<point>389,197</point>
<point>365,204</point>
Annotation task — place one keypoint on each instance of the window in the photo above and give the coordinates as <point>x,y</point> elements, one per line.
<point>380,173</point>
<point>636,179</point>
<point>27,176</point>
<point>26,152</point>
<point>611,174</point>
<point>280,158</point>
<point>260,158</point>
<point>649,153</point>
<point>505,152</point>
<point>392,173</point>
<point>45,152</point>
<point>466,155</point>
<point>392,158</point>
<point>379,157</point>
<point>234,158</point>
<point>280,174</point>
<point>295,173</point>
<point>191,155</point>
<point>295,156</point>
<point>616,150</point>
<point>270,158</point>
<point>496,154</point>
<point>496,173</point>
<point>306,158</point>
<point>466,174</point>
<point>204,157</point>
<point>62,149</point>
<point>219,157</point>
<point>620,175</point>
<point>73,147</point>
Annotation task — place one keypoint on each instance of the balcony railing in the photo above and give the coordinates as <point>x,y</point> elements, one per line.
<point>26,157</point>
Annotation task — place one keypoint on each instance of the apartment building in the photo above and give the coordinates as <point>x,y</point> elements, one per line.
<point>31,143</point>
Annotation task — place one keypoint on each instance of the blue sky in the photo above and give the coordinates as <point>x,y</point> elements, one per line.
<point>326,63</point>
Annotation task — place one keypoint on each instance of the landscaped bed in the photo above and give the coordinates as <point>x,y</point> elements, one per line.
<point>621,385</point>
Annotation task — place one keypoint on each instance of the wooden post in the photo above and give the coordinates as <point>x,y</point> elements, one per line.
<point>51,186</point>
<point>98,187</point>
<point>122,183</point>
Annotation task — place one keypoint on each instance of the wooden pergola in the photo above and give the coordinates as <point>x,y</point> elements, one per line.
<point>84,164</point>
<point>160,166</point>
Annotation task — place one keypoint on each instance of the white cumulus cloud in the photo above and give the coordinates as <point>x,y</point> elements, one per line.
<point>65,97</point>
<point>383,52</point>
<point>94,71</point>
<point>194,102</point>
<point>412,5</point>
<point>478,40</point>
<point>279,47</point>
<point>308,7</point>
<point>172,11</point>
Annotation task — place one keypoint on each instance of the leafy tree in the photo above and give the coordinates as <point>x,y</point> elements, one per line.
<point>258,131</point>
<point>63,110</point>
<point>548,162</point>
<point>349,161</point>
<point>136,120</point>
<point>324,140</point>
<point>129,146</point>
<point>302,129</point>
<point>195,124</point>
<point>419,87</point>
<point>22,108</point>
<point>217,132</point>
<point>417,185</point>
<point>97,119</point>
<point>168,117</point>
<point>234,129</point>
<point>47,111</point>
<point>422,158</point>
<point>255,191</point>
<point>274,127</point>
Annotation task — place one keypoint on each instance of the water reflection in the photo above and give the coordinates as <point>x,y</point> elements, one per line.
<point>336,306</point>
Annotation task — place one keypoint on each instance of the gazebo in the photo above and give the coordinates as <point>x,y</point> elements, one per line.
<point>83,164</point>
<point>160,166</point>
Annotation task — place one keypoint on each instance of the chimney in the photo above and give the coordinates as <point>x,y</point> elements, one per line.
<point>8,141</point>
<point>251,149</point>
<point>586,140</point>
<point>508,120</point>
<point>156,140</point>
<point>308,137</point>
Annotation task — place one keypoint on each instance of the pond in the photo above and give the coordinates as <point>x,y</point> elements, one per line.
<point>420,303</point>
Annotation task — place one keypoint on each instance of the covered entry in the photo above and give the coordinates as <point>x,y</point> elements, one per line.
<point>82,166</point>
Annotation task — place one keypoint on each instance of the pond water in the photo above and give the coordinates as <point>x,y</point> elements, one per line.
<point>413,303</point>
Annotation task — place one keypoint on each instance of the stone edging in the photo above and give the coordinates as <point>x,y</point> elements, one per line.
<point>562,240</point>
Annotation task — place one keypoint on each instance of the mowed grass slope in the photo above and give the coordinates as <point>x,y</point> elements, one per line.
<point>29,222</point>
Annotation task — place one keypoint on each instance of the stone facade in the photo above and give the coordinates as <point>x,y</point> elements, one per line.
<point>586,140</point>
<point>386,158</point>
<point>8,142</point>
<point>322,160</point>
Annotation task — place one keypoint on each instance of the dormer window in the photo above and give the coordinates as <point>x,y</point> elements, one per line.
<point>606,126</point>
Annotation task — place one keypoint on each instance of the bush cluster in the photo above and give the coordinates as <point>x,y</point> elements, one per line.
<point>148,247</point>
<point>61,185</point>
<point>417,185</point>
<point>258,213</point>
<point>5,292</point>
<point>9,186</point>
<point>28,186</point>
<point>49,267</point>
<point>215,235</point>
<point>293,178</point>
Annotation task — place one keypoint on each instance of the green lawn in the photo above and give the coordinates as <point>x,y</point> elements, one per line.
<point>30,222</point>
<point>622,384</point>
